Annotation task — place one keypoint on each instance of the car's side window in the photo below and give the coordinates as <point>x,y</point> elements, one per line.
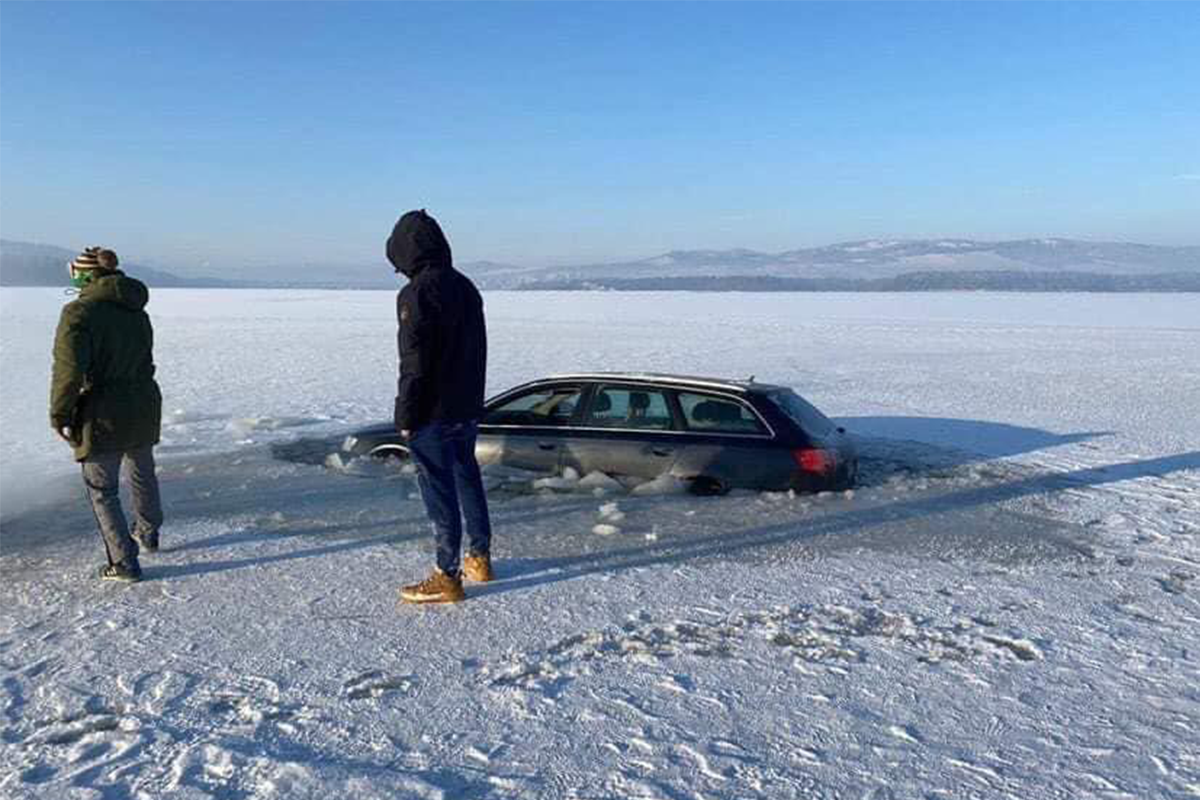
<point>712,414</point>
<point>542,407</point>
<point>626,407</point>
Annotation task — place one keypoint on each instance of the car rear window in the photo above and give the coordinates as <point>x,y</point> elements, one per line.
<point>711,414</point>
<point>802,412</point>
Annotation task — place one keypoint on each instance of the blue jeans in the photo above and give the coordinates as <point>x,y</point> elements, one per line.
<point>447,472</point>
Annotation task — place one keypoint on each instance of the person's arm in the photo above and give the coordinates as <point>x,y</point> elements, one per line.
<point>72,359</point>
<point>416,341</point>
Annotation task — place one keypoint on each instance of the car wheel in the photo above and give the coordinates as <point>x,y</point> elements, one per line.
<point>705,486</point>
<point>389,451</point>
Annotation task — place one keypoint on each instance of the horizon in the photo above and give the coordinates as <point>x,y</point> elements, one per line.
<point>255,275</point>
<point>561,135</point>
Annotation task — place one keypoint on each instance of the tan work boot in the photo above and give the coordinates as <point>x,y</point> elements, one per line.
<point>478,568</point>
<point>437,588</point>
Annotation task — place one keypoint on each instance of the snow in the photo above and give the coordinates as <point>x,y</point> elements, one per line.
<point>599,483</point>
<point>869,245</point>
<point>1006,607</point>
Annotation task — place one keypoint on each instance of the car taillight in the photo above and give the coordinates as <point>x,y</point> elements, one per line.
<point>821,462</point>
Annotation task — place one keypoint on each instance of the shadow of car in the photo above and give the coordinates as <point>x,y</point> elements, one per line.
<point>966,440</point>
<point>713,434</point>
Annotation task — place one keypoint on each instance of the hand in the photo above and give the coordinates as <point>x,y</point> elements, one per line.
<point>66,434</point>
<point>405,434</point>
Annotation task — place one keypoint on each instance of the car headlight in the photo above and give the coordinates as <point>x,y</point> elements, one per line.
<point>349,443</point>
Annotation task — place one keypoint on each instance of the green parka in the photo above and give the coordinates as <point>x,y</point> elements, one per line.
<point>103,378</point>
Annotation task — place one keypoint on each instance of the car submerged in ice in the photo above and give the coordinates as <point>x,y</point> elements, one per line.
<point>714,435</point>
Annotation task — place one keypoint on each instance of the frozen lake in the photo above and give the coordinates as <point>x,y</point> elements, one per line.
<point>239,366</point>
<point>1006,608</point>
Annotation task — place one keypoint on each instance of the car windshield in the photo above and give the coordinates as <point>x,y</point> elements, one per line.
<point>802,412</point>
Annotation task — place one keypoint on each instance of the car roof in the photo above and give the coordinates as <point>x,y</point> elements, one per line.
<point>697,381</point>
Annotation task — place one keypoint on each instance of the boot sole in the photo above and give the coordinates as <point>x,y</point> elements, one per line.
<point>120,579</point>
<point>424,599</point>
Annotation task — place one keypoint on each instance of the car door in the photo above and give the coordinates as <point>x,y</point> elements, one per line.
<point>624,430</point>
<point>727,441</point>
<point>524,429</point>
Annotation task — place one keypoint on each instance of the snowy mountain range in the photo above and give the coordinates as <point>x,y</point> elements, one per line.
<point>30,264</point>
<point>883,259</point>
<point>870,264</point>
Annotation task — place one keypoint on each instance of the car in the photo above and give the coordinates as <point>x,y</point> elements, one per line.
<point>713,434</point>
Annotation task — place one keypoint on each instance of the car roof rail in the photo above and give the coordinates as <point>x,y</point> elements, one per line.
<point>741,386</point>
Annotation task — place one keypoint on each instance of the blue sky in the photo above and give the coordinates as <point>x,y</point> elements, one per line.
<point>216,136</point>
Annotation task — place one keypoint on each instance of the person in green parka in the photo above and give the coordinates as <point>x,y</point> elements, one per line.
<point>105,403</point>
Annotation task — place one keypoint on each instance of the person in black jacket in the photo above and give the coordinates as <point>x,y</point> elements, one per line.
<point>439,399</point>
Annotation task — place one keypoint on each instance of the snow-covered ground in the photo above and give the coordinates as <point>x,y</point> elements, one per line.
<point>1006,608</point>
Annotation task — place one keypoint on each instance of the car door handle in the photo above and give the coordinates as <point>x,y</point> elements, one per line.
<point>661,451</point>
<point>547,446</point>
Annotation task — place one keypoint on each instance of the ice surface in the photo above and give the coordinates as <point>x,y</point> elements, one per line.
<point>1006,607</point>
<point>598,480</point>
<point>663,484</point>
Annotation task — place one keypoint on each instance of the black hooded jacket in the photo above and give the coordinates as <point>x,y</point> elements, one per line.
<point>442,335</point>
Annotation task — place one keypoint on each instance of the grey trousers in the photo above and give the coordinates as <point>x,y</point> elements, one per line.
<point>101,476</point>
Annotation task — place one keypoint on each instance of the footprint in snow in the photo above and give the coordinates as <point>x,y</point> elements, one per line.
<point>1176,582</point>
<point>904,733</point>
<point>375,683</point>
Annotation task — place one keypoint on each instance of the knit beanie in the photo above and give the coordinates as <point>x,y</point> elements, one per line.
<point>89,263</point>
<point>95,258</point>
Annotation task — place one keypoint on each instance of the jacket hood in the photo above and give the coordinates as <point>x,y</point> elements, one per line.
<point>116,287</point>
<point>416,243</point>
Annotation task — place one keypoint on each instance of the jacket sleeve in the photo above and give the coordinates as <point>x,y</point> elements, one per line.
<point>72,360</point>
<point>416,337</point>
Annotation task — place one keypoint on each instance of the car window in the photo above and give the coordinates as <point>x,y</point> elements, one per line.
<point>713,414</point>
<point>624,407</point>
<point>802,412</point>
<point>542,407</point>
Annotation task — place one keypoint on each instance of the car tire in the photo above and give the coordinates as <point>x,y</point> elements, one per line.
<point>706,486</point>
<point>387,451</point>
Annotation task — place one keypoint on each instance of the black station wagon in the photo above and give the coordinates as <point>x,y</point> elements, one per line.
<point>714,434</point>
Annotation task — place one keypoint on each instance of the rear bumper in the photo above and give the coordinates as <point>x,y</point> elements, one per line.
<point>842,478</point>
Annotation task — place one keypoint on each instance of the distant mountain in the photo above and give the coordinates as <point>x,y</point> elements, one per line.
<point>28,264</point>
<point>870,265</point>
<point>994,281</point>
<point>876,259</point>
<point>484,273</point>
